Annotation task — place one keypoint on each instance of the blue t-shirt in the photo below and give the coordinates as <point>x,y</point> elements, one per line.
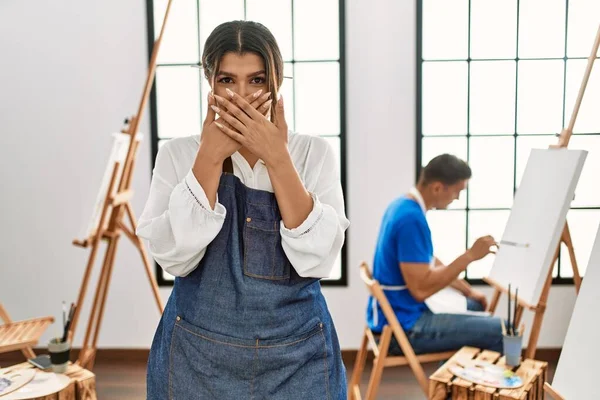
<point>404,236</point>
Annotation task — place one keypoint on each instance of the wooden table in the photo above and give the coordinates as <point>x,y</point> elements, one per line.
<point>82,386</point>
<point>443,384</point>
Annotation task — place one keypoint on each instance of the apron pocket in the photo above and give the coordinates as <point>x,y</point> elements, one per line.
<point>295,368</point>
<point>206,365</point>
<point>263,255</point>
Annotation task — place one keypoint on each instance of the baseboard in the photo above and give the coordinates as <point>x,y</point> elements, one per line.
<point>102,355</point>
<point>141,355</point>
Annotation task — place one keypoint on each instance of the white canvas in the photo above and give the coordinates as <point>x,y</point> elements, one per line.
<point>118,153</point>
<point>575,376</point>
<point>536,220</point>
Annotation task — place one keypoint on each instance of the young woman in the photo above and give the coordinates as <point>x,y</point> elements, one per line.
<point>248,218</point>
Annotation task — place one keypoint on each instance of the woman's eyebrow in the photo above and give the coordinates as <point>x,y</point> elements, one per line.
<point>232,75</point>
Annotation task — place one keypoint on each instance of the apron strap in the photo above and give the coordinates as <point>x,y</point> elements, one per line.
<point>228,165</point>
<point>374,303</point>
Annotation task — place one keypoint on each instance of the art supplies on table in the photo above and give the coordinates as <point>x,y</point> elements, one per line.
<point>67,323</point>
<point>13,380</point>
<point>487,374</point>
<point>512,338</point>
<point>42,361</point>
<point>40,384</point>
<point>509,329</point>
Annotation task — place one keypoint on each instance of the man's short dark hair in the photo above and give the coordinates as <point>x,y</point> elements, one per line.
<point>447,169</point>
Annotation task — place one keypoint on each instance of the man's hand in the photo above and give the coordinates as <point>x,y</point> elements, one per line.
<point>480,297</point>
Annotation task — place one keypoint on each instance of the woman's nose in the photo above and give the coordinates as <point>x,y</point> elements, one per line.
<point>242,90</point>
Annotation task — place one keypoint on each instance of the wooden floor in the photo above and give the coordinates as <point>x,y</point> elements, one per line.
<point>126,381</point>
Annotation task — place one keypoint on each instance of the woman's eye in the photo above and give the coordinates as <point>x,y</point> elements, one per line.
<point>225,80</point>
<point>258,80</point>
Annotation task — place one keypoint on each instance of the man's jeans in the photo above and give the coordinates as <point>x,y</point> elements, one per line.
<point>433,333</point>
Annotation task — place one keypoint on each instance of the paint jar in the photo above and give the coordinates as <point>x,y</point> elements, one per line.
<point>59,354</point>
<point>513,346</point>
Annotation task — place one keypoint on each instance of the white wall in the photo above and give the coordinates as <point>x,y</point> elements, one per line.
<point>72,70</point>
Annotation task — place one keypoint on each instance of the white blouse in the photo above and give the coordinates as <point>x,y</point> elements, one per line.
<point>179,224</point>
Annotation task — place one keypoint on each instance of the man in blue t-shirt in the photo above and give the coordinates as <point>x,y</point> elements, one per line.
<point>409,273</point>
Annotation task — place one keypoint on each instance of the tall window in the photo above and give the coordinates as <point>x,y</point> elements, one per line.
<point>310,35</point>
<point>496,79</point>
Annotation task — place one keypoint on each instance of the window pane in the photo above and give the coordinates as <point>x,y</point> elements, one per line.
<point>587,193</point>
<point>524,146</point>
<point>334,143</point>
<point>492,104</point>
<point>482,223</point>
<point>434,146</point>
<point>540,96</point>
<point>178,101</point>
<point>316,29</point>
<point>320,81</point>
<point>587,119</point>
<point>492,162</point>
<point>180,39</point>
<point>582,28</point>
<point>448,231</point>
<point>214,13</point>
<point>276,15</point>
<point>493,29</point>
<point>444,89</point>
<point>445,29</point>
<point>583,225</point>
<point>541,28</point>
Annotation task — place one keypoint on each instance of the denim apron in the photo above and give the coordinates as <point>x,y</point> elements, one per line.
<point>244,324</point>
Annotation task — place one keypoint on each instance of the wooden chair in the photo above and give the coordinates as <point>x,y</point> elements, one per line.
<point>382,359</point>
<point>21,335</point>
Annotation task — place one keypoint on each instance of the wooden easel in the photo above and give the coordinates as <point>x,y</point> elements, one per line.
<point>111,224</point>
<point>553,393</point>
<point>540,307</point>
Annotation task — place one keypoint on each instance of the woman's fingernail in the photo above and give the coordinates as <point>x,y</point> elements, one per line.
<point>229,92</point>
<point>266,95</point>
<point>215,109</point>
<point>268,104</point>
<point>257,94</point>
<point>219,125</point>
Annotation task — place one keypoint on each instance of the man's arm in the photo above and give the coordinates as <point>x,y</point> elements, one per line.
<point>459,284</point>
<point>423,281</point>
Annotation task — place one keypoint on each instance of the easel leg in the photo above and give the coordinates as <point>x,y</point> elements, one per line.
<point>566,238</point>
<point>494,302</point>
<point>539,311</point>
<point>88,354</point>
<point>95,244</point>
<point>140,246</point>
<point>111,264</point>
